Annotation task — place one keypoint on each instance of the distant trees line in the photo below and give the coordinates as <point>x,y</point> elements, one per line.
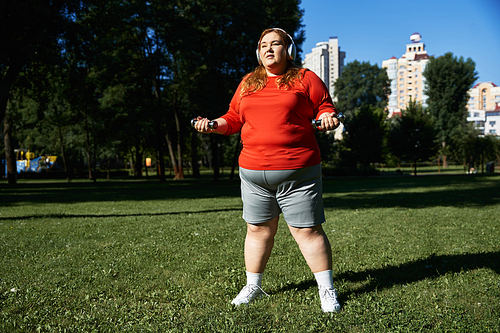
<point>439,131</point>
<point>101,83</point>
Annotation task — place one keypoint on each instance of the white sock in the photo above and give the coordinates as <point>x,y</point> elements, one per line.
<point>324,278</point>
<point>254,278</point>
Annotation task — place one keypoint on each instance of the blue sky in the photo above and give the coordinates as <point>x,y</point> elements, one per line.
<point>376,30</point>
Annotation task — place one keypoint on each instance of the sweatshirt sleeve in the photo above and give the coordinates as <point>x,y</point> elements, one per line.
<point>319,97</point>
<point>232,116</point>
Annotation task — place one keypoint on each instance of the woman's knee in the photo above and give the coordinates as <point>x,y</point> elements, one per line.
<point>265,230</point>
<point>307,233</point>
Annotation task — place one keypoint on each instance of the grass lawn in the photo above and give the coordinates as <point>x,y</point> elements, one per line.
<point>411,254</point>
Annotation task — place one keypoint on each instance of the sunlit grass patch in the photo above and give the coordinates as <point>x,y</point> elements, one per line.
<point>410,254</point>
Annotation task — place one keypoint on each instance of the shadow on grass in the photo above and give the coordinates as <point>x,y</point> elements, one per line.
<point>339,193</point>
<point>456,191</point>
<point>413,271</point>
<point>65,216</point>
<point>61,192</point>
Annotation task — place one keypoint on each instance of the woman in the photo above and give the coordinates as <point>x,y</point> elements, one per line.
<point>280,166</point>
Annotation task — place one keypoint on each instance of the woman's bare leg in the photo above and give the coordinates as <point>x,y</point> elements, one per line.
<point>259,243</point>
<point>315,247</point>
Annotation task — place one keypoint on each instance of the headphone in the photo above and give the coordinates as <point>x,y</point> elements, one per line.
<point>291,51</point>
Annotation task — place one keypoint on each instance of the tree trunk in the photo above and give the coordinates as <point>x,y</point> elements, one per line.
<point>6,83</point>
<point>87,145</point>
<point>445,161</point>
<point>138,161</point>
<point>172,154</point>
<point>132,156</point>
<point>10,157</point>
<point>61,140</point>
<point>180,172</point>
<point>215,156</point>
<point>194,155</point>
<point>161,157</point>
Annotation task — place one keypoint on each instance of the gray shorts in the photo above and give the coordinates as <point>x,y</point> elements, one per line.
<point>296,193</point>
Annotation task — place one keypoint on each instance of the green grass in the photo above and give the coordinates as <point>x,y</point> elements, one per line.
<point>411,254</point>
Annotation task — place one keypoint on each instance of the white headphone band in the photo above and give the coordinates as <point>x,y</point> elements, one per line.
<point>291,51</point>
<point>285,33</point>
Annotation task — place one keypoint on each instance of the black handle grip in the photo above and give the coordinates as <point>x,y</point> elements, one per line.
<point>340,116</point>
<point>213,124</point>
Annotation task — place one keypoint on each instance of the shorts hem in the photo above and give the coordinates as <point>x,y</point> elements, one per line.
<point>259,221</point>
<point>304,225</point>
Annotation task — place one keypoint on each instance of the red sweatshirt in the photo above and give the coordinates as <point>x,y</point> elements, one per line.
<point>275,124</point>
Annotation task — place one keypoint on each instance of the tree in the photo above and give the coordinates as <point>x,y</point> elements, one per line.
<point>365,135</point>
<point>130,71</point>
<point>221,26</point>
<point>361,84</point>
<point>477,150</point>
<point>448,80</point>
<point>411,136</point>
<point>32,34</point>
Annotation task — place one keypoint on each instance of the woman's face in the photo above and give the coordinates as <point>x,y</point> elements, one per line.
<point>273,54</point>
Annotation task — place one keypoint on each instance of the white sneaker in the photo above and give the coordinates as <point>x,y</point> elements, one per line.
<point>248,294</point>
<point>329,302</point>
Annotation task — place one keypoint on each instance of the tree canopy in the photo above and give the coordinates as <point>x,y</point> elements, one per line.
<point>365,135</point>
<point>361,84</point>
<point>447,81</point>
<point>127,74</point>
<point>411,137</point>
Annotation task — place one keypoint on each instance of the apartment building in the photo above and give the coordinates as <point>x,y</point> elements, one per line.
<point>405,74</point>
<point>484,108</point>
<point>327,61</point>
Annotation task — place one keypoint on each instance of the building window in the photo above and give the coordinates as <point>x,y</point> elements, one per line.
<point>472,98</point>
<point>493,131</point>
<point>476,114</point>
<point>401,91</point>
<point>493,123</point>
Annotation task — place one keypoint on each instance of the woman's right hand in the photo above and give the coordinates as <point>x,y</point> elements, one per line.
<point>202,125</point>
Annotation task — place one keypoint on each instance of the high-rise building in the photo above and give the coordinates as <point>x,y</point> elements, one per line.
<point>327,61</point>
<point>484,108</point>
<point>405,73</point>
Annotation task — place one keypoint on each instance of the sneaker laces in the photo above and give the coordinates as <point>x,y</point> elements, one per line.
<point>329,293</point>
<point>249,289</point>
<point>329,301</point>
<point>245,295</point>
